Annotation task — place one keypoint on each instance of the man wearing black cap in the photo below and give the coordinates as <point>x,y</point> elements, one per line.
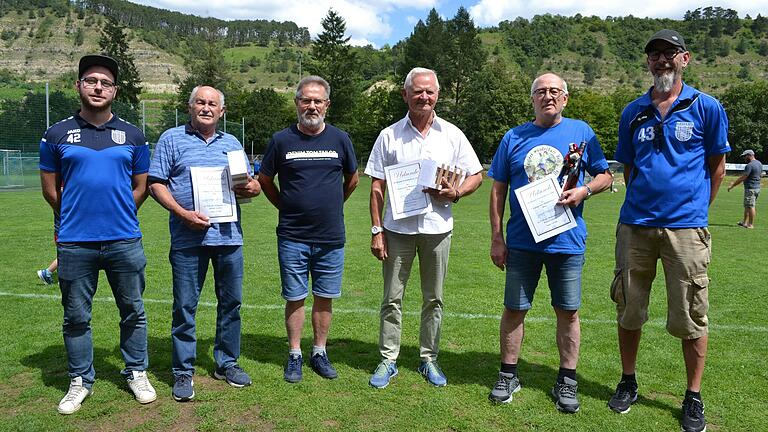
<point>751,179</point>
<point>672,142</point>
<point>103,161</point>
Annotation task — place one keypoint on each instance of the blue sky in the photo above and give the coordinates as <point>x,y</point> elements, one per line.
<point>389,21</point>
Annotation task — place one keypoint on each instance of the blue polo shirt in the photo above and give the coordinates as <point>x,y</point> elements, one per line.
<point>177,150</point>
<point>96,165</point>
<point>669,185</point>
<point>529,152</point>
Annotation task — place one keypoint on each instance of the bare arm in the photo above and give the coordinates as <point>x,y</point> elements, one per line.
<point>449,193</point>
<point>249,189</point>
<point>51,185</point>
<point>270,189</point>
<point>737,182</point>
<point>498,202</point>
<point>627,172</point>
<point>192,219</point>
<point>350,183</point>
<point>378,242</point>
<point>574,197</point>
<point>716,174</point>
<point>140,191</point>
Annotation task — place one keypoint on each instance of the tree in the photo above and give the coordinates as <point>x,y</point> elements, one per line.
<point>426,47</point>
<point>265,112</point>
<point>114,43</point>
<point>465,53</point>
<point>334,61</point>
<point>747,111</point>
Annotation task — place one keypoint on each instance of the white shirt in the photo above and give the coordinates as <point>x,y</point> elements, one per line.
<point>402,142</point>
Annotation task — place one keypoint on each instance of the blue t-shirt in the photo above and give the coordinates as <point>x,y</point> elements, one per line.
<point>310,170</point>
<point>96,165</point>
<point>669,185</point>
<point>177,150</point>
<point>529,152</point>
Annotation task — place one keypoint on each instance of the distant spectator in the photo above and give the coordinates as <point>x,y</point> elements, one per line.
<point>751,179</point>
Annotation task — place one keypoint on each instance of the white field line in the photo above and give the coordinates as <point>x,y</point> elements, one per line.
<point>467,316</point>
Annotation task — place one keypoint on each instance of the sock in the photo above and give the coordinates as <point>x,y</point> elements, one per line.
<point>317,350</point>
<point>629,379</point>
<point>563,372</point>
<point>295,352</point>
<point>509,368</point>
<point>693,394</point>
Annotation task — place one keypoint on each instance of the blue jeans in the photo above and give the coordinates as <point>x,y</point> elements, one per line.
<point>79,263</point>
<point>524,271</point>
<point>325,262</point>
<point>190,266</point>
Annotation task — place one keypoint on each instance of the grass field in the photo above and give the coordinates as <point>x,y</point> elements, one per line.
<point>33,368</point>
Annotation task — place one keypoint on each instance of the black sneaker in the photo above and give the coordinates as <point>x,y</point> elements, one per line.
<point>505,387</point>
<point>322,366</point>
<point>625,396</point>
<point>693,415</point>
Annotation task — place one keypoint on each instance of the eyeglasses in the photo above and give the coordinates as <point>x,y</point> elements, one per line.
<point>91,82</point>
<point>669,54</point>
<point>308,101</point>
<point>552,91</point>
<point>658,136</point>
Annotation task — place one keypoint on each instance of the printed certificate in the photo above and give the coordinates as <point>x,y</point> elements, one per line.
<point>213,195</point>
<point>538,201</point>
<point>405,194</point>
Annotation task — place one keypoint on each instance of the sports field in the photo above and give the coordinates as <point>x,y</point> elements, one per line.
<point>33,368</point>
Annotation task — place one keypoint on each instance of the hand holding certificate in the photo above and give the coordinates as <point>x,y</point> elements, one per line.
<point>539,203</point>
<point>213,195</point>
<point>405,194</point>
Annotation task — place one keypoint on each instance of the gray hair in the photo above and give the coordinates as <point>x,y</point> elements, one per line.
<point>193,95</point>
<point>313,79</point>
<point>408,84</point>
<point>533,84</point>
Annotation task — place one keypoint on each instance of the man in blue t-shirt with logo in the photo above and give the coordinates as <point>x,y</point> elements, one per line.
<point>672,142</point>
<point>196,241</point>
<point>316,167</point>
<point>103,160</point>
<point>528,153</point>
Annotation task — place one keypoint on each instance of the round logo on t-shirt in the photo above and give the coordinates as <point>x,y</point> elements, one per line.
<point>542,161</point>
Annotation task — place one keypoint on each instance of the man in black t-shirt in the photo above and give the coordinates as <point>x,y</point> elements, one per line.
<point>317,170</point>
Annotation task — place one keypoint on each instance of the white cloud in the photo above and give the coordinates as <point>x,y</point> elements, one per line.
<point>491,12</point>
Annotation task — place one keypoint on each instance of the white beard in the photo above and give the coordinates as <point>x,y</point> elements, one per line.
<point>311,123</point>
<point>664,82</point>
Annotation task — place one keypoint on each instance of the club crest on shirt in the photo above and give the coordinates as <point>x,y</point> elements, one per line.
<point>683,131</point>
<point>118,136</point>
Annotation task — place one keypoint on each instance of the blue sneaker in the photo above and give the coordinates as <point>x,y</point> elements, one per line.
<point>385,371</point>
<point>183,388</point>
<point>234,375</point>
<point>432,373</point>
<point>322,366</point>
<point>292,372</point>
<point>45,276</point>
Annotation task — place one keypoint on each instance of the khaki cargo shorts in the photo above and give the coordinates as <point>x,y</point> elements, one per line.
<point>685,254</point>
<point>750,197</point>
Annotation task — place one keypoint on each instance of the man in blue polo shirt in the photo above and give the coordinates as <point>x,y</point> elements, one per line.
<point>672,142</point>
<point>527,153</point>
<point>317,171</point>
<point>195,241</point>
<point>103,160</point>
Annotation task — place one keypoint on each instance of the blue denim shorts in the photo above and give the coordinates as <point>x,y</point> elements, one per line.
<point>298,260</point>
<point>524,271</point>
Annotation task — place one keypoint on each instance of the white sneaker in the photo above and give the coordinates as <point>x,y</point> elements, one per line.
<point>141,388</point>
<point>74,397</point>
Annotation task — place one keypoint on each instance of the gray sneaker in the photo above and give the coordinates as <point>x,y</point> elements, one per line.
<point>505,387</point>
<point>565,395</point>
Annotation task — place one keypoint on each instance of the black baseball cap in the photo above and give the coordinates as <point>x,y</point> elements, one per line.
<point>667,35</point>
<point>89,61</point>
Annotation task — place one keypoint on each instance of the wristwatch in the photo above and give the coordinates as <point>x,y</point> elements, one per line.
<point>589,192</point>
<point>376,229</point>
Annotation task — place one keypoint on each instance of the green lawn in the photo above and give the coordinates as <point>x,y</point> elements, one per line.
<point>33,370</point>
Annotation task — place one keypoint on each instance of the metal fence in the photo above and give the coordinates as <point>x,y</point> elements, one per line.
<point>23,123</point>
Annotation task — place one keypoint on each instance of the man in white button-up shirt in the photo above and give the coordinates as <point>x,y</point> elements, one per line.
<point>420,135</point>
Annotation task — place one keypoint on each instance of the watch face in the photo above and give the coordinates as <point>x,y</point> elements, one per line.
<point>376,230</point>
